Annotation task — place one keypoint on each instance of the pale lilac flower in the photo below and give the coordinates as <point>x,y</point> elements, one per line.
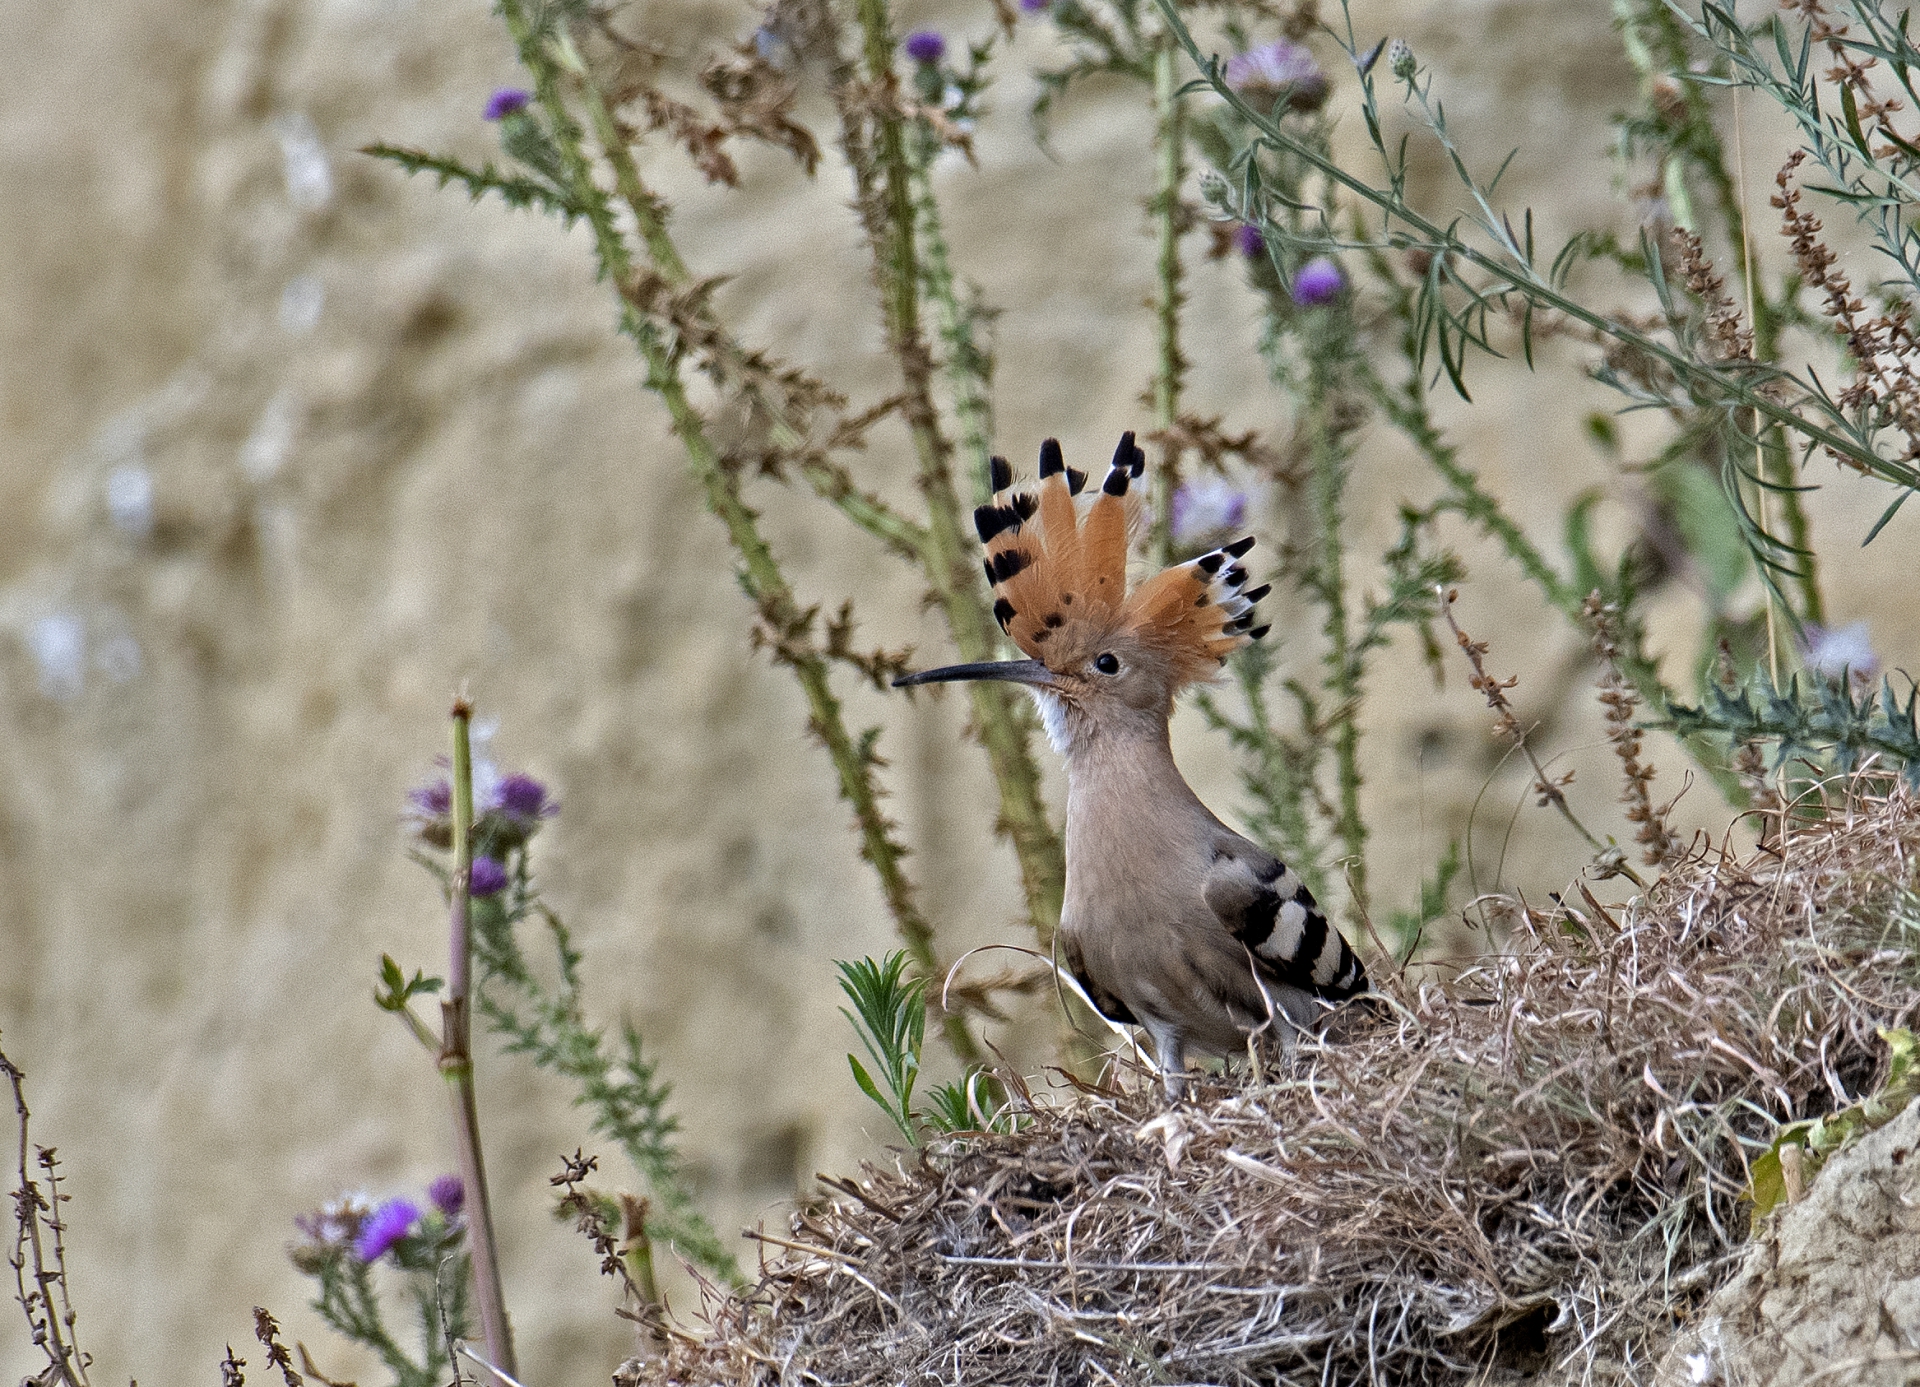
<point>386,1226</point>
<point>1847,649</point>
<point>1248,241</point>
<point>506,102</point>
<point>1206,506</point>
<point>1262,74</point>
<point>925,46</point>
<point>1318,281</point>
<point>448,1194</point>
<point>488,877</point>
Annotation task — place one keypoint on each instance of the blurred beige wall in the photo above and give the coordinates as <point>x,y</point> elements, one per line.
<point>292,447</point>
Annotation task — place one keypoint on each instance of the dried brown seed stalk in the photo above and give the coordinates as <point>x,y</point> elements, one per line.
<point>1663,847</point>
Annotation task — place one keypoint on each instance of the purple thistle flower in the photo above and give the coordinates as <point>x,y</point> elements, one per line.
<point>1206,507</point>
<point>1318,281</point>
<point>1262,74</point>
<point>1034,6</point>
<point>386,1226</point>
<point>506,102</point>
<point>448,1194</point>
<point>925,46</point>
<point>488,877</point>
<point>1248,241</point>
<point>520,796</point>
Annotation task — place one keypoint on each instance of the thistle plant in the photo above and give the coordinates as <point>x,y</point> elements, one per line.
<point>1372,309</point>
<point>352,1247</point>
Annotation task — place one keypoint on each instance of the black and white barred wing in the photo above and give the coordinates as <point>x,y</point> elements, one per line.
<point>1268,908</point>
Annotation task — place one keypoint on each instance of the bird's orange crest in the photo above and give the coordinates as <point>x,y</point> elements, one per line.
<point>1059,572</point>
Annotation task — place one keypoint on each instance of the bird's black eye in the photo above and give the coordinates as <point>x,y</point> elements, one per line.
<point>1106,664</point>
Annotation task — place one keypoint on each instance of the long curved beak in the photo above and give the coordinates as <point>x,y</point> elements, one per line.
<point>1013,671</point>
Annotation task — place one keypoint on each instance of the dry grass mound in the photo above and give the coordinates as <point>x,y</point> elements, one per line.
<point>1531,1170</point>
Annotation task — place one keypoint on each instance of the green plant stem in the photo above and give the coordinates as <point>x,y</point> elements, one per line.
<point>967,366</point>
<point>885,196</point>
<point>456,1061</point>
<point>1169,146</point>
<point>1327,485</point>
<point>1782,474</point>
<point>785,621</point>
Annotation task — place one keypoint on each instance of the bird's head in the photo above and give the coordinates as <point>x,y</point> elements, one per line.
<point>1099,656</point>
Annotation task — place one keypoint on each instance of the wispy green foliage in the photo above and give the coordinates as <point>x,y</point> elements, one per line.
<point>1407,928</point>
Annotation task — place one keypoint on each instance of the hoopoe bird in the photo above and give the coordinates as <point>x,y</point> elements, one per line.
<point>1172,921</point>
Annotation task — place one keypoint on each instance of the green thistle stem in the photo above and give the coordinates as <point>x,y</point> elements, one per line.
<point>884,186</point>
<point>1169,143</point>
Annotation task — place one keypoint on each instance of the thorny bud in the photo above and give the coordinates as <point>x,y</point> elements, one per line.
<point>1215,189</point>
<point>1400,61</point>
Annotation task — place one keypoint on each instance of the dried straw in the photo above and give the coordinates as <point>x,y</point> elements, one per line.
<point>1531,1168</point>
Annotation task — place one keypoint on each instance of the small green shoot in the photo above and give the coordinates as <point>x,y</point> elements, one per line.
<point>1820,1137</point>
<point>890,1017</point>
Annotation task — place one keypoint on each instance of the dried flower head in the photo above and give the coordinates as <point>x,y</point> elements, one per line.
<point>1281,68</point>
<point>506,102</point>
<point>384,1227</point>
<point>1318,281</point>
<point>329,1230</point>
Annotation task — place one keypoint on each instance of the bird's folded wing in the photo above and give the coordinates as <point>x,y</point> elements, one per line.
<point>1270,910</point>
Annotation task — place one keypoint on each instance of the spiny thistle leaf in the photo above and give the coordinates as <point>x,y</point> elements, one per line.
<point>517,190</point>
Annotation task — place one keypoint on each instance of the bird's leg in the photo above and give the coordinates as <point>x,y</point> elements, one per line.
<point>1170,1047</point>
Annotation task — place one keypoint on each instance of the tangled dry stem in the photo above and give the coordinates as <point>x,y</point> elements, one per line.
<point>1532,1166</point>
